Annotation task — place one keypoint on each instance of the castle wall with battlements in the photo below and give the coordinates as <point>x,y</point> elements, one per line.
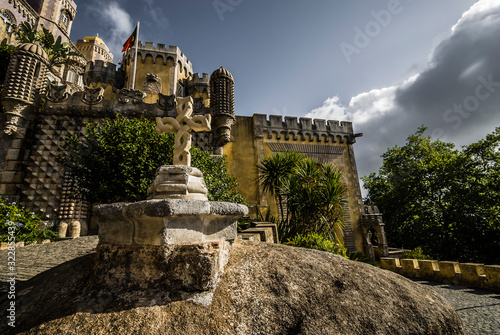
<point>34,178</point>
<point>260,136</point>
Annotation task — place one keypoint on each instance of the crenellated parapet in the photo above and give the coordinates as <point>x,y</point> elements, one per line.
<point>198,83</point>
<point>160,51</point>
<point>302,128</point>
<point>103,72</point>
<point>467,274</point>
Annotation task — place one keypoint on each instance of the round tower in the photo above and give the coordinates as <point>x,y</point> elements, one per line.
<point>26,76</point>
<point>222,105</point>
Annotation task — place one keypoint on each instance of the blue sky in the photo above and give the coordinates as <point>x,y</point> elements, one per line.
<point>387,65</point>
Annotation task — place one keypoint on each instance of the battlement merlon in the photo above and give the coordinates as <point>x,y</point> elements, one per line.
<point>100,65</point>
<point>303,127</point>
<point>200,79</point>
<point>160,50</point>
<point>103,72</point>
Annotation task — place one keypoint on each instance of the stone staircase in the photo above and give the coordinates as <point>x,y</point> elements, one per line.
<point>259,231</point>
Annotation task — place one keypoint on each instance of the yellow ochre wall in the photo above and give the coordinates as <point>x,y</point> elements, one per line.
<point>246,150</point>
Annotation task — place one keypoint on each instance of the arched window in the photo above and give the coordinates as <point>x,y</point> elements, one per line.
<point>65,19</point>
<point>8,18</point>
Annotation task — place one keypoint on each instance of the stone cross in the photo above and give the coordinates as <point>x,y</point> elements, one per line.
<point>183,124</point>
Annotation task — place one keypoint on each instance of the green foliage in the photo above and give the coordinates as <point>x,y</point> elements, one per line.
<point>319,242</point>
<point>116,161</point>
<point>416,253</point>
<point>59,52</point>
<point>313,193</point>
<point>442,199</point>
<point>220,184</point>
<point>28,226</point>
<point>358,256</point>
<point>267,217</point>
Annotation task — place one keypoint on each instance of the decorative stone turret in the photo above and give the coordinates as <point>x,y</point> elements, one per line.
<point>176,242</point>
<point>26,76</point>
<point>222,105</point>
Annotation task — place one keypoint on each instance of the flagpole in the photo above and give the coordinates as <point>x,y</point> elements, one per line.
<point>135,58</point>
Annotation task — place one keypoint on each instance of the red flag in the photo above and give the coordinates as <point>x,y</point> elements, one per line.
<point>131,41</point>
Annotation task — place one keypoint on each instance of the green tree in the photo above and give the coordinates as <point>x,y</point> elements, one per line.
<point>440,198</point>
<point>312,192</point>
<point>274,172</point>
<point>117,160</point>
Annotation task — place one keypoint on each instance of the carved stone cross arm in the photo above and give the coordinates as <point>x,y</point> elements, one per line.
<point>183,124</point>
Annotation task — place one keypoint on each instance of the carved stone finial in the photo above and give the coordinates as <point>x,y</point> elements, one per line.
<point>134,96</point>
<point>166,102</point>
<point>57,93</point>
<point>183,124</point>
<point>92,96</point>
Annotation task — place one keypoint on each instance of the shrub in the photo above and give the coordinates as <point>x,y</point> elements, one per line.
<point>28,226</point>
<point>416,253</point>
<point>310,195</point>
<point>116,161</point>
<point>319,242</point>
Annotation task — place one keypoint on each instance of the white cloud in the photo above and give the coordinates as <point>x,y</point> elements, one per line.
<point>483,10</point>
<point>331,110</point>
<point>118,25</point>
<point>457,95</point>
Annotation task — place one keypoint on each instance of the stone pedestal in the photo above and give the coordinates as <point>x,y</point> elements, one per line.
<point>176,242</point>
<point>168,221</point>
<point>178,182</point>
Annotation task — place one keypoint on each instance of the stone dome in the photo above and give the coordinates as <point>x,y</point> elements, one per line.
<point>33,49</point>
<point>222,72</point>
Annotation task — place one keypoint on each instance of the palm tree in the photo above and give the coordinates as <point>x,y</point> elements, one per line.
<point>274,171</point>
<point>314,194</point>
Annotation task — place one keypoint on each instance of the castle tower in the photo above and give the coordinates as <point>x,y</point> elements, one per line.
<point>222,105</point>
<point>26,76</point>
<point>55,15</point>
<point>199,87</point>
<point>160,70</point>
<point>94,48</point>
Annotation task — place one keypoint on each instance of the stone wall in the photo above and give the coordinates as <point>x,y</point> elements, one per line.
<point>467,274</point>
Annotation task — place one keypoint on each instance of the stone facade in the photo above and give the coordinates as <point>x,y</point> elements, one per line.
<point>55,15</point>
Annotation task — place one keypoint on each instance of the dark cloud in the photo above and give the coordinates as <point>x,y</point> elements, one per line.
<point>457,96</point>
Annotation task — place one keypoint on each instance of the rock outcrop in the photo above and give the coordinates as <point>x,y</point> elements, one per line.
<point>265,289</point>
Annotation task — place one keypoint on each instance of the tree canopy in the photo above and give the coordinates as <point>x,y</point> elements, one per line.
<point>441,199</point>
<point>116,161</point>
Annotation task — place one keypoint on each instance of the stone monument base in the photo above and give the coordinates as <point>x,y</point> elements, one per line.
<point>178,270</point>
<point>176,243</point>
<point>167,221</point>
